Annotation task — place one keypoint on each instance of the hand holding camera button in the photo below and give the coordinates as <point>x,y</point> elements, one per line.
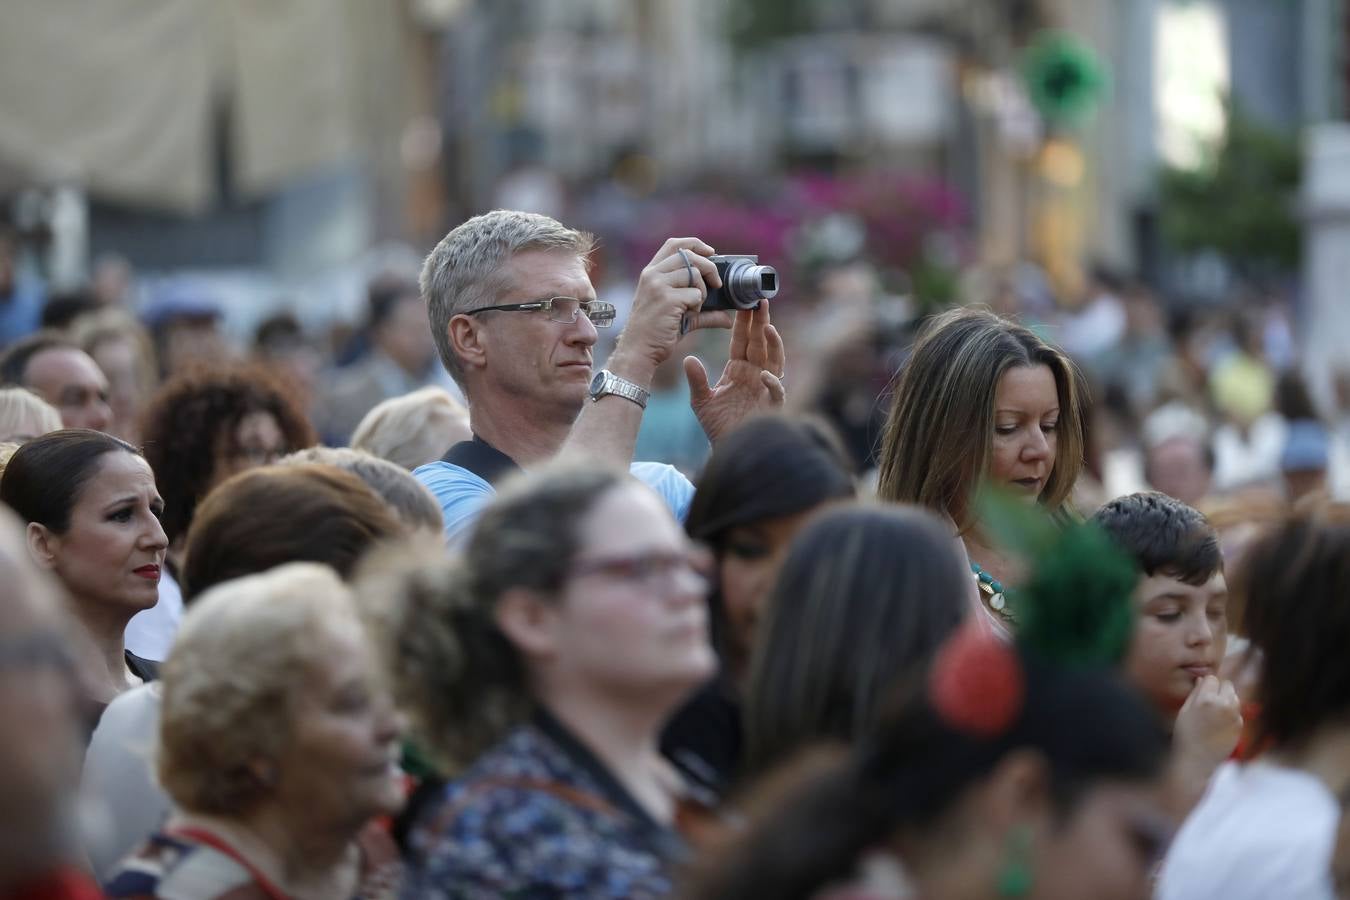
<point>664,301</point>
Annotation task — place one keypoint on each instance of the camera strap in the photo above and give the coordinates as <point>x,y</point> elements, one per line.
<point>482,459</point>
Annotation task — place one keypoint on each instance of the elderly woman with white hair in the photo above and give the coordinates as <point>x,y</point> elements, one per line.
<point>279,747</point>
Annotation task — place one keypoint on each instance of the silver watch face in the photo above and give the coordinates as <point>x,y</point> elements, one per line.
<point>598,383</point>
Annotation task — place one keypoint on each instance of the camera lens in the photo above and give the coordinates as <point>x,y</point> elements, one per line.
<point>747,284</point>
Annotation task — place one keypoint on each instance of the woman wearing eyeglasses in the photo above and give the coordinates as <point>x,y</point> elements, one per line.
<point>539,669</point>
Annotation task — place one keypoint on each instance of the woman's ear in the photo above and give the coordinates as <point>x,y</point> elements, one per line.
<point>43,545</point>
<point>529,620</point>
<point>1016,792</point>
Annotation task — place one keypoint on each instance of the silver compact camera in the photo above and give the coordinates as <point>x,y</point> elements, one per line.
<point>744,282</point>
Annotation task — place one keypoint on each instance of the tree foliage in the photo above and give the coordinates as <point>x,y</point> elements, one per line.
<point>1241,202</point>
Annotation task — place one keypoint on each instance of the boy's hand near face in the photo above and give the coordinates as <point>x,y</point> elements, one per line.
<point>1207,731</point>
<point>1210,721</point>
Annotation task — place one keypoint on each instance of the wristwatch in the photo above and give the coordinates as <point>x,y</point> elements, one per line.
<point>606,382</point>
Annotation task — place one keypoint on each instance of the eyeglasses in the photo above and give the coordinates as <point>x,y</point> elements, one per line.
<point>649,568</point>
<point>563,310</point>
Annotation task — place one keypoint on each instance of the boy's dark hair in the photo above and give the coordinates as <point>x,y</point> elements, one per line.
<point>1163,535</point>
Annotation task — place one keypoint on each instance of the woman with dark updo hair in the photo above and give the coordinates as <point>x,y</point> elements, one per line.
<point>92,514</point>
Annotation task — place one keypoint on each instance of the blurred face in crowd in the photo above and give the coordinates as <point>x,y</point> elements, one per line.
<point>1026,422</point>
<point>299,364</point>
<point>120,360</point>
<point>40,755</point>
<point>1180,636</point>
<point>1108,848</point>
<point>256,440</point>
<point>1178,468</point>
<point>192,341</point>
<point>529,356</point>
<point>1143,316</point>
<point>631,621</point>
<point>1300,483</point>
<point>749,561</point>
<point>403,336</point>
<point>1105,846</point>
<point>341,763</point>
<point>112,280</point>
<point>113,551</point>
<point>71,381</point>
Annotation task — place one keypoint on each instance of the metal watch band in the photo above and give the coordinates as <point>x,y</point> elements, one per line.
<point>624,388</point>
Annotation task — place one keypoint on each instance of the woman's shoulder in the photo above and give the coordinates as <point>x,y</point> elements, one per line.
<point>178,865</point>
<point>525,756</point>
<point>166,865</point>
<point>523,818</point>
<point>525,776</point>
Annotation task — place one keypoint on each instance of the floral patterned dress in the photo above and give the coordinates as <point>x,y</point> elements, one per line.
<point>539,816</point>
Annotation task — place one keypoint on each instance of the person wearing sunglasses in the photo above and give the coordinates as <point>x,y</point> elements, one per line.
<point>515,319</point>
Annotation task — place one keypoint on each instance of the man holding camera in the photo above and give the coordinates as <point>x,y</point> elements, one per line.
<point>514,316</point>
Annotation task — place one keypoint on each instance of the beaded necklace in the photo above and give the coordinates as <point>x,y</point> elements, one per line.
<point>993,593</point>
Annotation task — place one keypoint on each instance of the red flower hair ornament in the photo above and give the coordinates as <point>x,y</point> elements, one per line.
<point>976,684</point>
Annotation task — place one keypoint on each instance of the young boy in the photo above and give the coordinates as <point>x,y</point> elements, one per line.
<point>1181,633</point>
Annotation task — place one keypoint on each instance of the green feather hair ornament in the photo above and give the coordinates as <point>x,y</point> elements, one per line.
<point>1076,608</point>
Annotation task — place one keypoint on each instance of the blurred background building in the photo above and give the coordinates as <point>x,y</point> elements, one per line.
<point>287,138</point>
<point>1115,171</point>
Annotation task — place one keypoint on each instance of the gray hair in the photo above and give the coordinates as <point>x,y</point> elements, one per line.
<point>410,500</point>
<point>461,273</point>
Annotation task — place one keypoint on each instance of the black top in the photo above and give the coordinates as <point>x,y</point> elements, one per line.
<point>144,669</point>
<point>482,459</point>
<point>705,738</point>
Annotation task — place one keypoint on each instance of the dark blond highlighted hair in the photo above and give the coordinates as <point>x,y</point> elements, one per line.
<point>937,444</point>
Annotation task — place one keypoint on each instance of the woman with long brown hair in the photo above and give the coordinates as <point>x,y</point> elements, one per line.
<point>983,401</point>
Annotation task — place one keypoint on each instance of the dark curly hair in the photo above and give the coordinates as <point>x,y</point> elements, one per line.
<point>184,423</point>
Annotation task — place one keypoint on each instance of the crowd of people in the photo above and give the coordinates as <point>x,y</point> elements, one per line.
<point>999,602</point>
